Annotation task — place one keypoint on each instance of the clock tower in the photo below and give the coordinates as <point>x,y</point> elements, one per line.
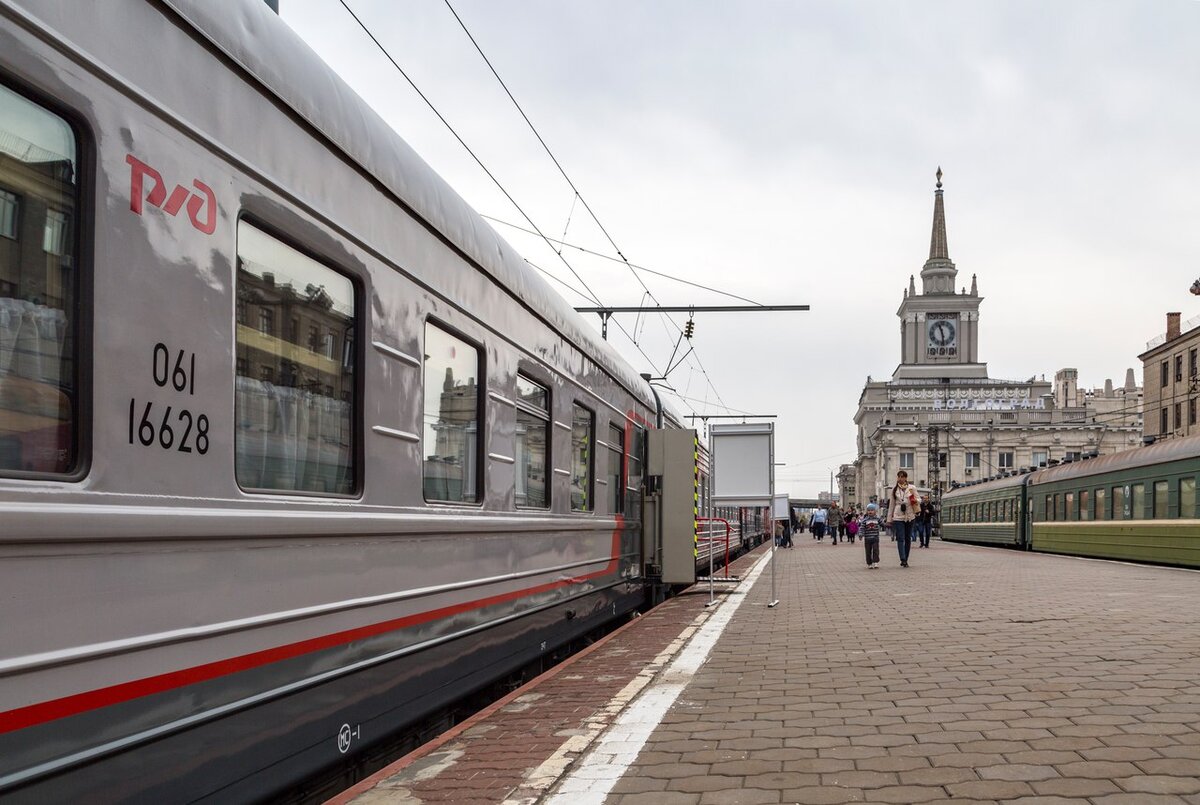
<point>939,327</point>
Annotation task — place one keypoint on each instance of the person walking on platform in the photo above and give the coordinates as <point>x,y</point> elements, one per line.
<point>903,507</point>
<point>869,528</point>
<point>818,523</point>
<point>925,518</point>
<point>835,522</point>
<point>851,525</point>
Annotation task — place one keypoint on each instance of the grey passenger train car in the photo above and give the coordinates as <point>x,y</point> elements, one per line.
<point>293,448</point>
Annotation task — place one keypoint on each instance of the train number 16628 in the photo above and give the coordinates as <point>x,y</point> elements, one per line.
<point>182,431</point>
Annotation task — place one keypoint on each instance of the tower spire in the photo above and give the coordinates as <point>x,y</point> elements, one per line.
<point>937,277</point>
<point>937,243</point>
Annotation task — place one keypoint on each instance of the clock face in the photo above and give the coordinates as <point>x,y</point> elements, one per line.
<point>942,333</point>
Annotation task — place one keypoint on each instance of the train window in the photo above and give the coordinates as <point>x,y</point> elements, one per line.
<point>1187,497</point>
<point>637,457</point>
<point>39,201</point>
<point>533,439</point>
<point>1060,508</point>
<point>1101,505</point>
<point>1137,502</point>
<point>1161,496</point>
<point>1119,510</point>
<point>293,409</point>
<point>453,380</point>
<point>583,433</point>
<point>1069,506</point>
<point>616,468</point>
<point>1085,505</point>
<point>1049,508</point>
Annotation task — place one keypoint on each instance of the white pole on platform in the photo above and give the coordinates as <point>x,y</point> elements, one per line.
<point>774,597</point>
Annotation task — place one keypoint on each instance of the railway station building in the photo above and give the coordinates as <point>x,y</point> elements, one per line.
<point>944,420</point>
<point>1171,372</point>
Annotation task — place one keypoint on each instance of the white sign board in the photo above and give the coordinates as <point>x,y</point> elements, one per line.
<point>779,508</point>
<point>743,463</point>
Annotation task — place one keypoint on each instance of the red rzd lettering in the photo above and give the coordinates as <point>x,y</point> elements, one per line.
<point>204,201</point>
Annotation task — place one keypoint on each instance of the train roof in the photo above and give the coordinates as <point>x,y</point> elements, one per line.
<point>1007,482</point>
<point>254,37</point>
<point>1157,453</point>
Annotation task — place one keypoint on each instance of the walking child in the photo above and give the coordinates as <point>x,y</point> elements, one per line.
<point>869,527</point>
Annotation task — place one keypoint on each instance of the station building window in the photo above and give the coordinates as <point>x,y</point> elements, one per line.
<point>972,462</point>
<point>533,441</point>
<point>1162,422</point>
<point>453,402</point>
<point>1178,416</point>
<point>616,468</point>
<point>1161,497</point>
<point>39,306</point>
<point>1192,411</point>
<point>1187,497</point>
<point>1193,368</point>
<point>1040,457</point>
<point>1178,368</point>
<point>583,436</point>
<point>295,428</point>
<point>1166,374</point>
<point>906,461</point>
<point>1006,460</point>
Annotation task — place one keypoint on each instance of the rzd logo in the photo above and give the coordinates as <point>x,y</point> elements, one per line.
<point>139,171</point>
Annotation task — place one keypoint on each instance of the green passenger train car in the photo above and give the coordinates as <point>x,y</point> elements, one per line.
<point>990,512</point>
<point>1138,505</point>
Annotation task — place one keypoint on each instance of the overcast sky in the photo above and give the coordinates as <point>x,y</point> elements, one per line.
<point>785,152</point>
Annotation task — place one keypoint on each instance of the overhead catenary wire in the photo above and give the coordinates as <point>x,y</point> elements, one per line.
<point>578,195</point>
<point>603,256</point>
<point>590,294</point>
<point>463,143</point>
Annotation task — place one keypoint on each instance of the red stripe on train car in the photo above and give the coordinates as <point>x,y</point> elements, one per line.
<point>40,713</point>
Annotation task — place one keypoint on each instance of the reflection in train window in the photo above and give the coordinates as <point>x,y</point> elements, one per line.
<point>1138,501</point>
<point>1161,495</point>
<point>293,408</point>
<point>633,482</point>
<point>1187,497</point>
<point>39,194</point>
<point>1085,505</point>
<point>616,467</point>
<point>452,406</point>
<point>583,433</point>
<point>1101,504</point>
<point>533,438</point>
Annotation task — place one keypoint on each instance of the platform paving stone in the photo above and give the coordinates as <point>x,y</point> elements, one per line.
<point>976,675</point>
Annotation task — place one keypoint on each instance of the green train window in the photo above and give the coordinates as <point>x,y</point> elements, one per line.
<point>1049,515</point>
<point>1085,505</point>
<point>1060,509</point>
<point>1161,495</point>
<point>1138,501</point>
<point>1187,497</point>
<point>1101,504</point>
<point>1069,503</point>
<point>1119,511</point>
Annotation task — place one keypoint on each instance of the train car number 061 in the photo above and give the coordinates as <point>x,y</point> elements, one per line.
<point>185,432</point>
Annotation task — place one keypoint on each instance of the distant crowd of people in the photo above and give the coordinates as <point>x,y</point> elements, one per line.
<point>907,516</point>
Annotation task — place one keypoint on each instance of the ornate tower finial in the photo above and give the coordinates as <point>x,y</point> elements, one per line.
<point>937,277</point>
